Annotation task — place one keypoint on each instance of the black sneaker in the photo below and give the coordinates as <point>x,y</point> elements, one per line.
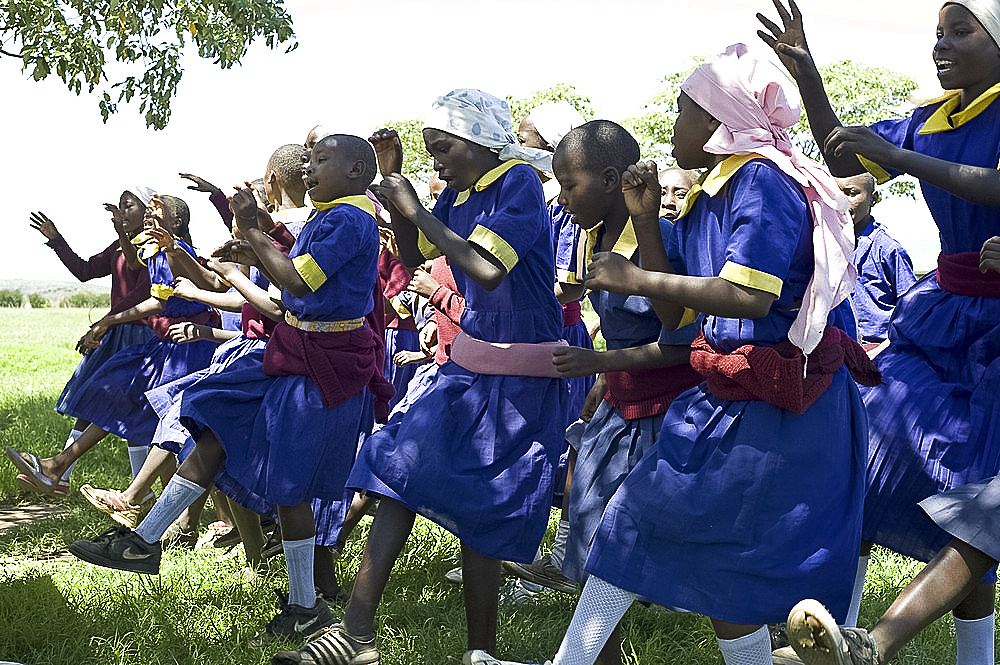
<point>818,640</point>
<point>334,647</point>
<point>294,622</point>
<point>120,548</point>
<point>542,571</point>
<point>273,546</point>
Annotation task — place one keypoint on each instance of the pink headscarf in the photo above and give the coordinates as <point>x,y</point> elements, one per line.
<point>755,102</point>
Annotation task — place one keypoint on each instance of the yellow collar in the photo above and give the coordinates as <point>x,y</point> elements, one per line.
<point>624,246</point>
<point>359,201</point>
<point>712,182</point>
<point>942,119</point>
<point>488,179</point>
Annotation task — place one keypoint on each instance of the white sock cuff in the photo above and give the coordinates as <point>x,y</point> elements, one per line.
<point>189,484</point>
<point>752,649</point>
<point>305,543</point>
<point>971,622</point>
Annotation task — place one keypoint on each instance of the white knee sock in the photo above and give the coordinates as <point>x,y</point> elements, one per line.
<point>752,649</point>
<point>136,456</point>
<point>73,436</point>
<point>974,638</point>
<point>600,608</point>
<point>177,495</point>
<point>859,587</point>
<point>559,546</point>
<point>299,557</point>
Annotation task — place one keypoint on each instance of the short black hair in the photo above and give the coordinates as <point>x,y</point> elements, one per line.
<point>177,208</point>
<point>355,149</point>
<point>599,144</point>
<point>286,162</point>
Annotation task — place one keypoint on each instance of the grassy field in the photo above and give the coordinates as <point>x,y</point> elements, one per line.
<point>199,610</point>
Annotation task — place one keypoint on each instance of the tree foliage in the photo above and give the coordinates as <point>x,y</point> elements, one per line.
<point>561,92</point>
<point>75,39</point>
<point>37,300</point>
<point>859,94</point>
<point>11,298</point>
<point>87,299</point>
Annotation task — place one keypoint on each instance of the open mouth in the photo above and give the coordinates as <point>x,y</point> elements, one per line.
<point>944,66</point>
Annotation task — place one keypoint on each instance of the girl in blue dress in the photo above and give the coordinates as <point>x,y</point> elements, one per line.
<point>933,423</point>
<point>476,452</point>
<point>753,490</point>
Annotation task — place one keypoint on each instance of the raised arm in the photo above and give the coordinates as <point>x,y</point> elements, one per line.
<point>228,301</point>
<point>253,294</point>
<point>409,215</point>
<point>278,267</point>
<point>98,265</point>
<point>789,43</point>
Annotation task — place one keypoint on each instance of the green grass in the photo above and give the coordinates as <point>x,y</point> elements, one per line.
<point>198,610</point>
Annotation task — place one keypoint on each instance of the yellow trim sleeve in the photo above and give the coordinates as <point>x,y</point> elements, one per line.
<point>755,279</point>
<point>495,245</point>
<point>880,174</point>
<point>400,308</point>
<point>426,247</point>
<point>161,291</point>
<point>309,270</point>
<point>566,277</point>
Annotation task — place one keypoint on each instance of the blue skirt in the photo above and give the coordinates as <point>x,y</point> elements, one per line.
<point>609,449</point>
<point>171,434</point>
<point>970,513</point>
<point>742,509</point>
<point>116,339</point>
<point>114,398</point>
<point>399,377</point>
<point>282,445</point>
<point>476,454</point>
<point>577,387</point>
<point>934,424</point>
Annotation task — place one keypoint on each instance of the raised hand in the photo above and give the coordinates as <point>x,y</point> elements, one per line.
<point>388,151</point>
<point>200,184</point>
<point>399,193</point>
<point>244,206</point>
<point>788,41</point>
<point>185,288</point>
<point>989,255</point>
<point>848,141</point>
<point>612,272</point>
<point>641,187</point>
<point>224,269</point>
<point>237,251</point>
<point>423,283</point>
<point>164,239</point>
<point>571,361</point>
<point>117,218</point>
<point>388,240</point>
<point>44,225</point>
<point>155,212</point>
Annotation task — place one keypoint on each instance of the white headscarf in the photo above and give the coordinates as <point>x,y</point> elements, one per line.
<point>755,102</point>
<point>554,120</point>
<point>986,12</point>
<point>485,120</point>
<point>144,194</point>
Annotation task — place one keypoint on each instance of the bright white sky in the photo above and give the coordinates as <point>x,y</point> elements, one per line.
<point>362,63</point>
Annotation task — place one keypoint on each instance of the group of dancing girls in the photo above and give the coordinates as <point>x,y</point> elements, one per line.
<point>733,467</point>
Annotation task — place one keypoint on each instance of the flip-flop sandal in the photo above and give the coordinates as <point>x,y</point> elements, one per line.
<point>26,485</point>
<point>31,467</point>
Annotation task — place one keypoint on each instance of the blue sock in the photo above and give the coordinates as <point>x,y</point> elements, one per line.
<point>299,558</point>
<point>177,495</point>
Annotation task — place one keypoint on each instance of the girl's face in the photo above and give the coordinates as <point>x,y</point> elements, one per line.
<point>692,130</point>
<point>674,186</point>
<point>581,192</point>
<point>965,55</point>
<point>458,162</point>
<point>133,210</point>
<point>528,136</point>
<point>324,172</point>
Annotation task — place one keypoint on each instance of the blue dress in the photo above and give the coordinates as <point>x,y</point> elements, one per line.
<point>114,398</point>
<point>283,447</point>
<point>885,273</point>
<point>476,453</point>
<point>742,509</point>
<point>934,424</point>
<point>612,445</point>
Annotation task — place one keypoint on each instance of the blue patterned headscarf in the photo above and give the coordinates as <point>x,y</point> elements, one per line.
<point>485,120</point>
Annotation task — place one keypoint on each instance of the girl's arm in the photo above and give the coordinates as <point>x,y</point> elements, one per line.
<point>789,43</point>
<point>408,215</point>
<point>571,361</point>
<point>148,307</point>
<point>253,294</point>
<point>185,331</point>
<point>278,267</point>
<point>228,301</point>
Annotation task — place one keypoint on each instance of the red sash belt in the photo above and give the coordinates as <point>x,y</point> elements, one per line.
<point>774,374</point>
<point>648,392</point>
<point>160,324</point>
<point>959,274</point>
<point>571,313</point>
